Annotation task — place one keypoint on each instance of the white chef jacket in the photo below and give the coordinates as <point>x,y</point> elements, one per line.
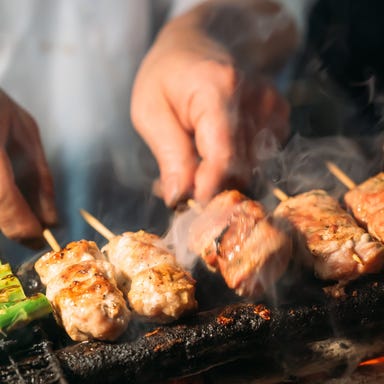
<point>71,64</point>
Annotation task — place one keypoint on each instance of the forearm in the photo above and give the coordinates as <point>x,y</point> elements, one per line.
<point>259,35</point>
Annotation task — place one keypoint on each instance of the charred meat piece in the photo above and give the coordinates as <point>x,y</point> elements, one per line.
<point>366,202</point>
<point>158,289</point>
<point>340,249</point>
<point>234,235</point>
<point>256,263</point>
<point>82,289</point>
<point>208,229</point>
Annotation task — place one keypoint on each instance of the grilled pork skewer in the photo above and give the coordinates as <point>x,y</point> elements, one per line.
<point>158,289</point>
<point>340,249</point>
<point>365,201</point>
<point>234,235</point>
<point>81,286</point>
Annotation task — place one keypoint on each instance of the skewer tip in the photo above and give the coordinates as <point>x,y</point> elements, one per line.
<point>281,195</point>
<point>97,224</point>
<point>193,204</point>
<point>51,240</point>
<point>340,175</point>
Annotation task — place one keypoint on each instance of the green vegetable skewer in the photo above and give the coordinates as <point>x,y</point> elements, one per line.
<point>10,286</point>
<point>17,310</point>
<point>22,312</point>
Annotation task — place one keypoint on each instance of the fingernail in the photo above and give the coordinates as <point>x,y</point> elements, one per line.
<point>157,189</point>
<point>170,187</point>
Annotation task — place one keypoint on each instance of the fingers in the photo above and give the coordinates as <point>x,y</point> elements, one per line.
<point>26,134</point>
<point>191,132</point>
<point>201,127</point>
<point>216,142</point>
<point>17,220</point>
<point>171,145</point>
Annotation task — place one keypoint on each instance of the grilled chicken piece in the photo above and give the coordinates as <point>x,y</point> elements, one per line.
<point>52,263</point>
<point>82,289</point>
<point>162,293</point>
<point>133,252</point>
<point>340,249</point>
<point>366,202</point>
<point>157,288</point>
<point>234,235</point>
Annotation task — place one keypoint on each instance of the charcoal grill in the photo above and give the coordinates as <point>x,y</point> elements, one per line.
<point>27,356</point>
<point>266,341</point>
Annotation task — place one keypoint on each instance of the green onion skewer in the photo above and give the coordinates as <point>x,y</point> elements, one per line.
<point>10,286</point>
<point>17,310</point>
<point>17,314</point>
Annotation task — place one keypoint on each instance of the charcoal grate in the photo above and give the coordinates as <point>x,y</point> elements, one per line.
<point>27,356</point>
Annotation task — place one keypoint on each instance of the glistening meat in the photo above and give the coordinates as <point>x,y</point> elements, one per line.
<point>82,289</point>
<point>366,202</point>
<point>235,235</point>
<point>338,248</point>
<point>158,288</point>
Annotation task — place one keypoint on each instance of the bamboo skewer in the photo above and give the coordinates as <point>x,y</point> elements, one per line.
<point>195,206</point>
<point>340,175</point>
<point>97,225</point>
<point>281,195</point>
<point>51,240</point>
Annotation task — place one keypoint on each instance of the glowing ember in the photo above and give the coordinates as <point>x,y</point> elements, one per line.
<point>377,360</point>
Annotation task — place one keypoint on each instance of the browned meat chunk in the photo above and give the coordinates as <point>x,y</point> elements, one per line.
<point>366,202</point>
<point>340,249</point>
<point>162,293</point>
<point>51,263</point>
<point>82,289</point>
<point>158,289</point>
<point>250,250</point>
<point>133,252</point>
<point>226,208</point>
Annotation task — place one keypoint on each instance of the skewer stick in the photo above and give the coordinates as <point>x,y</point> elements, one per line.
<point>281,195</point>
<point>194,205</point>
<point>97,225</point>
<point>51,240</point>
<point>340,175</point>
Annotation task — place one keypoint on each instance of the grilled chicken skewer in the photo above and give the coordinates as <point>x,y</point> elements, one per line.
<point>234,235</point>
<point>339,249</point>
<point>82,289</point>
<point>158,289</point>
<point>365,201</point>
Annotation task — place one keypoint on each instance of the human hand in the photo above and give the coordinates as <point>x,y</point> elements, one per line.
<point>204,118</point>
<point>26,186</point>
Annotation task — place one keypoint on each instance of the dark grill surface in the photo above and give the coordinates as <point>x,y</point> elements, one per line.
<point>27,357</point>
<point>306,333</point>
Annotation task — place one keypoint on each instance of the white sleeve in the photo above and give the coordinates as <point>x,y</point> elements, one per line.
<point>180,6</point>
